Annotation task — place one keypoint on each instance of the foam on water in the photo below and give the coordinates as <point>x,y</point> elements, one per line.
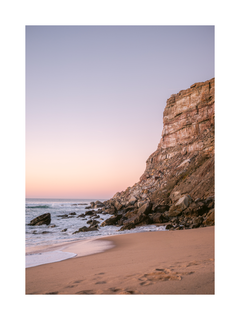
<point>80,248</point>
<point>61,229</point>
<point>36,259</point>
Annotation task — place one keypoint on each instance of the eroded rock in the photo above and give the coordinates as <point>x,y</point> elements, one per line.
<point>40,220</point>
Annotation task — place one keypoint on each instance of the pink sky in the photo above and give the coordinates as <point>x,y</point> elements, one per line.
<point>95,98</point>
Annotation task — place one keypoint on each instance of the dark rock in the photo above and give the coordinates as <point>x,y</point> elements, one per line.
<point>195,225</point>
<point>210,220</point>
<point>92,222</point>
<point>110,210</point>
<point>42,219</point>
<point>137,218</point>
<point>120,222</point>
<point>128,208</point>
<point>63,216</point>
<point>86,229</point>
<point>179,206</point>
<point>159,218</point>
<point>81,215</point>
<point>169,226</point>
<point>64,230</point>
<point>111,221</point>
<point>127,226</point>
<point>197,220</point>
<point>97,204</point>
<point>89,213</point>
<point>179,228</point>
<point>145,209</point>
<point>161,208</point>
<point>72,213</point>
<point>117,205</point>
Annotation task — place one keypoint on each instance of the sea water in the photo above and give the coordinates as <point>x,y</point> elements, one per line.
<point>60,230</point>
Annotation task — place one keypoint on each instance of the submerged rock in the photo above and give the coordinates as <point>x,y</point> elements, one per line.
<point>86,229</point>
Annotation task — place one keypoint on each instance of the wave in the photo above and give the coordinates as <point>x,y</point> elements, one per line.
<point>38,207</point>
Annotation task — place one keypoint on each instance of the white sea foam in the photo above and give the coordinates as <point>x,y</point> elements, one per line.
<point>53,234</point>
<point>79,249</point>
<point>37,259</point>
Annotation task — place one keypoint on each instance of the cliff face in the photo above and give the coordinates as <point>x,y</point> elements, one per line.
<point>188,125</point>
<point>182,166</point>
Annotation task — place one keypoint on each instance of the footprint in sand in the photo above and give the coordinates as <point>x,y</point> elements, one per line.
<point>159,275</point>
<point>86,292</point>
<point>78,281</point>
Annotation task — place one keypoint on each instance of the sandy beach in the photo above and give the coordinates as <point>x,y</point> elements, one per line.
<point>171,262</point>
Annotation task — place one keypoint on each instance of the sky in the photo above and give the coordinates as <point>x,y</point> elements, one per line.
<point>95,97</point>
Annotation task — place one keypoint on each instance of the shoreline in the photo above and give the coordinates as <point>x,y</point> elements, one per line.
<point>72,248</point>
<point>40,255</point>
<point>173,262</point>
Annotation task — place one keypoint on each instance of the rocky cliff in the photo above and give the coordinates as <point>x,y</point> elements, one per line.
<point>177,187</point>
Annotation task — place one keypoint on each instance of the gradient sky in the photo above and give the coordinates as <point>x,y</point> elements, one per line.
<point>95,98</point>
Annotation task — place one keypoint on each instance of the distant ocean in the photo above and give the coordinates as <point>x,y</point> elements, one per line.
<point>61,229</point>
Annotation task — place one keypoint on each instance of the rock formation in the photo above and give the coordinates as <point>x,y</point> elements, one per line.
<point>40,220</point>
<point>177,187</point>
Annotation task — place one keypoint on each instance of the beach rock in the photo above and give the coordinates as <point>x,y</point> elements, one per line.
<point>96,216</point>
<point>86,229</point>
<point>127,226</point>
<point>132,200</point>
<point>210,218</point>
<point>63,216</point>
<point>111,221</point>
<point>128,208</point>
<point>179,206</point>
<point>110,210</point>
<point>145,209</point>
<point>89,213</point>
<point>92,222</point>
<point>117,205</point>
<point>98,204</point>
<point>72,214</point>
<point>40,220</point>
<point>64,230</point>
<point>160,208</point>
<point>197,220</point>
<point>158,217</point>
<point>81,215</point>
<point>137,218</point>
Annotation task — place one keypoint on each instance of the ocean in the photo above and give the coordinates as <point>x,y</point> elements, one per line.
<point>41,240</point>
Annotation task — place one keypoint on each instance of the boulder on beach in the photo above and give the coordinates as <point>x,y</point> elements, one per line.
<point>42,219</point>
<point>179,206</point>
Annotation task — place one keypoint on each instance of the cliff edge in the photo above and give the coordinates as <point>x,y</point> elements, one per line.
<point>177,187</point>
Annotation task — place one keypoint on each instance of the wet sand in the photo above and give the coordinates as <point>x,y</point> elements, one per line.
<point>171,262</point>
